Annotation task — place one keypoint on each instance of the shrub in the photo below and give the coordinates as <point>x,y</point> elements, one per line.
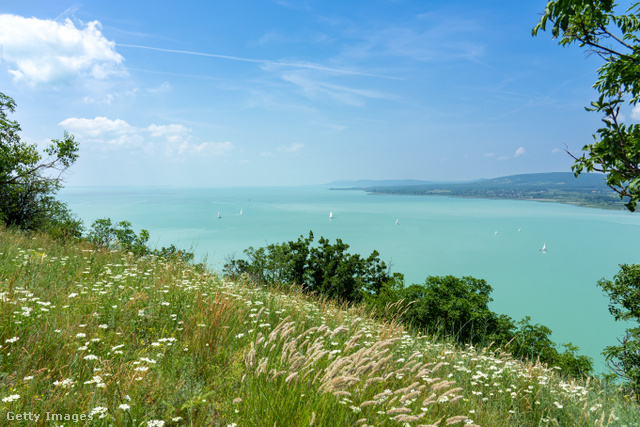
<point>119,236</point>
<point>624,292</point>
<point>327,269</point>
<point>29,178</point>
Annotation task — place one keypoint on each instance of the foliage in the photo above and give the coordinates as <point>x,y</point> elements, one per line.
<point>173,253</point>
<point>532,342</point>
<point>624,292</point>
<point>142,341</point>
<point>119,236</point>
<point>596,26</point>
<point>445,305</point>
<point>29,179</point>
<point>327,269</point>
<point>455,306</point>
<point>62,224</point>
<point>107,235</point>
<point>459,307</point>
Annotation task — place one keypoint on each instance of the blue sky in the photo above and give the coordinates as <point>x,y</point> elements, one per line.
<point>286,92</point>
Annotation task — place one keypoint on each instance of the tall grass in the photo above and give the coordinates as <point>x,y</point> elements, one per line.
<point>112,339</point>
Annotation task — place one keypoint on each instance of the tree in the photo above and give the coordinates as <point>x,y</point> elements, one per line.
<point>327,269</point>
<point>104,234</point>
<point>594,25</point>
<point>459,307</point>
<point>29,179</point>
<point>455,306</point>
<point>624,292</point>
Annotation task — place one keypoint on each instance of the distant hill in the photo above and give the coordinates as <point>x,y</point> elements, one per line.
<point>586,190</point>
<point>560,180</point>
<point>372,182</point>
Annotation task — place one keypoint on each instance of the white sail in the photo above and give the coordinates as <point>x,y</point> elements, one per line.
<point>544,248</point>
<point>331,215</point>
<point>397,222</point>
<point>219,215</point>
<point>240,211</point>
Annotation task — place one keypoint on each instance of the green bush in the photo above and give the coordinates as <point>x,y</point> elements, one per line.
<point>451,305</point>
<point>29,178</point>
<point>62,224</point>
<point>459,307</point>
<point>119,236</point>
<point>327,269</point>
<point>624,292</point>
<point>446,305</point>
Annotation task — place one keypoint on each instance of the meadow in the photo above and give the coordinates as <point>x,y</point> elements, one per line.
<point>106,338</point>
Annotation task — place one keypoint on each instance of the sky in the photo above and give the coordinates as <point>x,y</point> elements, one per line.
<point>295,92</point>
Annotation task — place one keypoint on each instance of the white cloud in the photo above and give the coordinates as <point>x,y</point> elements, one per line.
<point>167,130</point>
<point>264,63</point>
<point>174,134</point>
<point>519,152</point>
<point>635,113</point>
<point>213,148</point>
<point>489,155</point>
<point>174,139</point>
<point>164,130</point>
<point>109,98</point>
<point>44,51</point>
<point>556,150</point>
<point>106,99</point>
<point>185,149</point>
<point>291,148</point>
<point>343,94</point>
<point>100,126</point>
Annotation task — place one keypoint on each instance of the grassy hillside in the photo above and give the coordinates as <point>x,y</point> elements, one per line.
<point>105,338</point>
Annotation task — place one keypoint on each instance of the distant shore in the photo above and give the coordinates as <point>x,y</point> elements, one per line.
<point>588,190</point>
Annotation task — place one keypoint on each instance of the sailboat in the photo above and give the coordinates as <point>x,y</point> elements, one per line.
<point>544,248</point>
<point>241,212</point>
<point>219,215</point>
<point>397,222</point>
<point>331,215</point>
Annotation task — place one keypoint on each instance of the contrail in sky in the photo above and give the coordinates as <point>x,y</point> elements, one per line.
<point>258,61</point>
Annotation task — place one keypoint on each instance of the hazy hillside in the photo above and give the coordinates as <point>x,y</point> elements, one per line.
<point>373,182</point>
<point>586,190</point>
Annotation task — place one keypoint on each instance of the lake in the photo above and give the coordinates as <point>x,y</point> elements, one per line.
<point>495,240</point>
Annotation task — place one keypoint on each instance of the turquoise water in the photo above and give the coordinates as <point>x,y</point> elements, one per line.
<point>496,240</point>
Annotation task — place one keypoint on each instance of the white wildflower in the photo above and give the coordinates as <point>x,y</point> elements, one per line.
<point>11,398</point>
<point>64,383</point>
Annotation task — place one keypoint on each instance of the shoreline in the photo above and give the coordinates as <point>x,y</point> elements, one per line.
<point>607,207</point>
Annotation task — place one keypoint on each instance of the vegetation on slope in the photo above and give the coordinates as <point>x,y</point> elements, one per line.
<point>587,190</point>
<point>142,341</point>
<point>444,305</point>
